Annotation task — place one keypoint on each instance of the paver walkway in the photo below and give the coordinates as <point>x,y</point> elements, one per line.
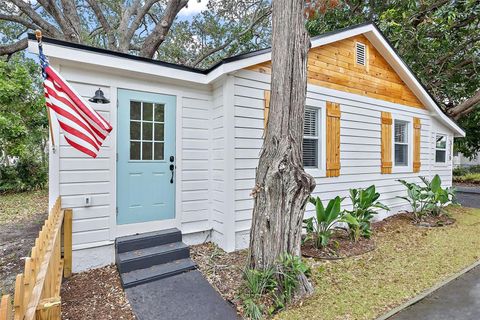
<point>458,300</point>
<point>187,296</point>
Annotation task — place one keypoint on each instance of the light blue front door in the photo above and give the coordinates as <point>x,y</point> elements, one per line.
<point>146,157</point>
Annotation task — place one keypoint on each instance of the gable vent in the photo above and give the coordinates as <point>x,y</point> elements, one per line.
<point>361,54</point>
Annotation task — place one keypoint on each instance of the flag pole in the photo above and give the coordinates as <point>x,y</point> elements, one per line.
<point>38,35</point>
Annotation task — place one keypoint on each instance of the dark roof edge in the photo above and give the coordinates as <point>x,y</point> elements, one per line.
<point>31,36</point>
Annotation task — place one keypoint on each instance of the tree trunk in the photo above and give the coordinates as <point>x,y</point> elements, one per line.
<point>282,186</point>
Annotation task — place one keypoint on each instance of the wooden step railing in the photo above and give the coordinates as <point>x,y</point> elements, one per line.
<point>37,290</point>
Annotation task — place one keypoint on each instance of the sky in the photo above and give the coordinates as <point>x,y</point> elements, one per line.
<point>194,7</point>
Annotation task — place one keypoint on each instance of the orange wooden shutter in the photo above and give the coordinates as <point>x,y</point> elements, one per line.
<point>333,139</point>
<point>266,96</point>
<point>416,144</point>
<point>386,142</point>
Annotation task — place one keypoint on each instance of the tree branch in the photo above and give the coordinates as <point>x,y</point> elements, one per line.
<point>465,107</point>
<point>159,33</point>
<point>9,49</point>
<point>48,28</point>
<point>71,14</point>
<point>252,25</point>
<point>19,20</point>
<point>103,22</point>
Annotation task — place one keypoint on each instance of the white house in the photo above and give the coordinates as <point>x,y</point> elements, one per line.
<point>186,142</point>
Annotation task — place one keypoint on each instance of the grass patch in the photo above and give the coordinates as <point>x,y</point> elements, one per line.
<point>468,178</point>
<point>15,207</point>
<point>407,261</point>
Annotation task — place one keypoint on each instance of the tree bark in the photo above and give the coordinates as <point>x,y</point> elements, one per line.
<point>465,107</point>
<point>282,185</point>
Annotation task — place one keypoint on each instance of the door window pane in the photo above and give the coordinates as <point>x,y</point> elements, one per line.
<point>147,150</point>
<point>159,152</point>
<point>135,130</point>
<point>147,132</point>
<point>135,110</point>
<point>159,133</point>
<point>134,150</point>
<point>147,111</point>
<point>159,112</point>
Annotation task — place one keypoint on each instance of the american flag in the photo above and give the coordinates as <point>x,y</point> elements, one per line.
<point>83,128</point>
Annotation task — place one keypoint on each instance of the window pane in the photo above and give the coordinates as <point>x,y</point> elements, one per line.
<point>134,130</point>
<point>158,151</point>
<point>159,134</point>
<point>147,150</point>
<point>147,111</point>
<point>310,126</point>
<point>441,141</point>
<point>159,112</point>
<point>440,156</point>
<point>401,132</point>
<point>134,150</point>
<point>147,132</point>
<point>310,153</point>
<point>135,110</point>
<point>401,155</point>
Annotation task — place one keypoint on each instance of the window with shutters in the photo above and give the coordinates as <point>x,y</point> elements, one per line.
<point>360,54</point>
<point>401,143</point>
<point>440,148</point>
<point>311,138</point>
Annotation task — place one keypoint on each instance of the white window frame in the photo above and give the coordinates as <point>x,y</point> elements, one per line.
<point>409,166</point>
<point>439,163</point>
<point>320,170</point>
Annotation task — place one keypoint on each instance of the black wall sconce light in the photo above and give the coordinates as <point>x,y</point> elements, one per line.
<point>99,97</point>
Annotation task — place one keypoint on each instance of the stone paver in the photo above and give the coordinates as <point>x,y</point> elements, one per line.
<point>457,300</point>
<point>187,296</point>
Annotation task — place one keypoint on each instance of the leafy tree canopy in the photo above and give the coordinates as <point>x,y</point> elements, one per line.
<point>438,39</point>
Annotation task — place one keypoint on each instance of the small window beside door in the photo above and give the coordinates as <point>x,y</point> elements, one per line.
<point>147,131</point>
<point>311,139</point>
<point>440,148</point>
<point>401,143</point>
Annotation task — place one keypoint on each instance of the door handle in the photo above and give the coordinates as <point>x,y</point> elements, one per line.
<point>172,169</point>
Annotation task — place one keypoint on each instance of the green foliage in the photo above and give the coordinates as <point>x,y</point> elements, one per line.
<point>429,199</point>
<point>364,203</point>
<point>468,178</point>
<point>439,40</point>
<point>268,291</point>
<point>320,227</point>
<point>23,126</point>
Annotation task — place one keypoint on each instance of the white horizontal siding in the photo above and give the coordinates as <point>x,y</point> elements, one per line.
<point>360,145</point>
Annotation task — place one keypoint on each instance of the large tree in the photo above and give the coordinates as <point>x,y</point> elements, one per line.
<point>439,40</point>
<point>137,26</point>
<point>282,185</point>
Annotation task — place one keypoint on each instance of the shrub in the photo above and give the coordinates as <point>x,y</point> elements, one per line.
<point>469,177</point>
<point>270,290</point>
<point>460,171</point>
<point>320,227</point>
<point>429,199</point>
<point>364,202</point>
<point>26,174</point>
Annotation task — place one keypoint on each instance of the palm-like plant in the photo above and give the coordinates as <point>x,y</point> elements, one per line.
<point>320,227</point>
<point>364,202</point>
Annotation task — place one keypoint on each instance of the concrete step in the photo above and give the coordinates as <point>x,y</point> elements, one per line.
<point>146,240</point>
<point>156,272</point>
<point>147,257</point>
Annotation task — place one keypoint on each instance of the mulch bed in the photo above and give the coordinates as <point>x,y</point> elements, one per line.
<point>340,247</point>
<point>223,270</point>
<point>95,294</point>
<point>434,222</point>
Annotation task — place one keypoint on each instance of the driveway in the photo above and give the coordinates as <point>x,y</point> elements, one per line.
<point>469,196</point>
<point>458,300</point>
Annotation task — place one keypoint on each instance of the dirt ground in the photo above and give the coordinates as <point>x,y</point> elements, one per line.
<point>95,295</point>
<point>18,229</point>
